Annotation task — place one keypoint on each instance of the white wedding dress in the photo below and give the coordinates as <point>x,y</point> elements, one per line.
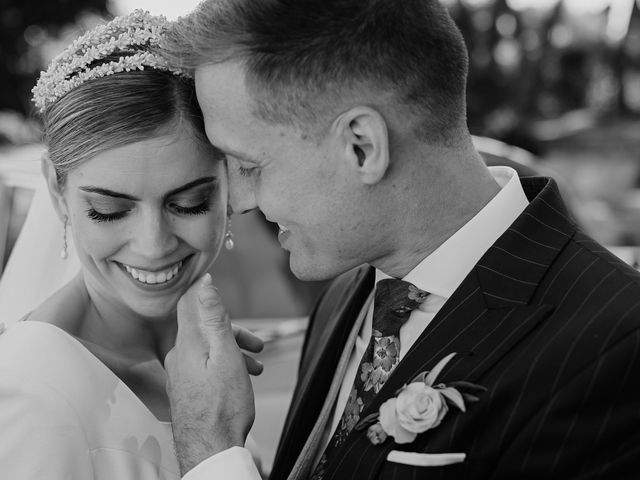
<point>65,416</point>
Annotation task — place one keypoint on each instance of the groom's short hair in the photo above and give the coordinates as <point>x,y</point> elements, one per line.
<point>303,58</point>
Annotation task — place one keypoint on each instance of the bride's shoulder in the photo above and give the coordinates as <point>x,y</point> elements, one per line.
<point>65,309</point>
<point>37,349</point>
<point>42,347</point>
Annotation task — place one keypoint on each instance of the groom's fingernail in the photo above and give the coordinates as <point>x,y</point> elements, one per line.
<point>207,291</point>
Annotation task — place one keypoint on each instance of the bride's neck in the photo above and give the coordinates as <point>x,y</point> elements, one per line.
<point>114,326</point>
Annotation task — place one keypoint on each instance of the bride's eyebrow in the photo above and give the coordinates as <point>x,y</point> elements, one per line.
<point>108,193</point>
<point>175,191</point>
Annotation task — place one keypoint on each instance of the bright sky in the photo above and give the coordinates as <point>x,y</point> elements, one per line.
<point>174,8</point>
<point>171,9</point>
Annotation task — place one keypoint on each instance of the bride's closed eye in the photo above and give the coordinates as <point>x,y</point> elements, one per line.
<point>191,199</point>
<point>200,209</point>
<point>100,217</point>
<point>108,210</point>
<point>198,206</point>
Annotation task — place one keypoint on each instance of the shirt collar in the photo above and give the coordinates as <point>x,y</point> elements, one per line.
<point>442,272</point>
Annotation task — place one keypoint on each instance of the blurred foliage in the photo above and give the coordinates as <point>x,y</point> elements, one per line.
<point>25,25</point>
<point>537,63</point>
<point>530,60</point>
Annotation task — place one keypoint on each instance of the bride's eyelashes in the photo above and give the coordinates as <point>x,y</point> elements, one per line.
<point>100,217</point>
<point>197,210</point>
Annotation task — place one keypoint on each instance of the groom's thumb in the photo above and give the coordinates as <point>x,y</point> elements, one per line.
<point>213,317</point>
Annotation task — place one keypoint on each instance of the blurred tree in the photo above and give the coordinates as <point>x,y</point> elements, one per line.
<point>25,24</point>
<point>536,63</point>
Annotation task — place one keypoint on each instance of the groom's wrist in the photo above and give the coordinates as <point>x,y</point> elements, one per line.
<point>194,445</point>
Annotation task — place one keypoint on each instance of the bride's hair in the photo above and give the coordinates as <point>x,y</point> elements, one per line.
<point>111,87</point>
<point>117,110</point>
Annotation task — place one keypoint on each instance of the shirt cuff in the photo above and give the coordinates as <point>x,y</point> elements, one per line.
<point>235,462</point>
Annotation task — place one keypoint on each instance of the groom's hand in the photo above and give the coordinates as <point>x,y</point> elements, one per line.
<point>212,404</point>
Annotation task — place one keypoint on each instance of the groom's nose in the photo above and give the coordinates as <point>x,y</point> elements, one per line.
<point>242,197</point>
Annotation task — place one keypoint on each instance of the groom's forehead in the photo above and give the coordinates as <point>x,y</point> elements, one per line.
<point>225,103</point>
<point>220,83</point>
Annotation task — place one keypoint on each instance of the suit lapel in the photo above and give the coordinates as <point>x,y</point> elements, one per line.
<point>324,344</point>
<point>482,321</point>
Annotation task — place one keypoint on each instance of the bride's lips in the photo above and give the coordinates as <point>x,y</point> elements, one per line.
<point>155,278</point>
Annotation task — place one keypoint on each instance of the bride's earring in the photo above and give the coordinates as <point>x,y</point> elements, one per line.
<point>64,253</point>
<point>228,237</point>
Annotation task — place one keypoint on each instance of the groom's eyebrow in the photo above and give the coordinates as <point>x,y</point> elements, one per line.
<point>175,191</point>
<point>235,153</point>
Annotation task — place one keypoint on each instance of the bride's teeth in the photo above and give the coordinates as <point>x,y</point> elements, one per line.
<point>152,278</point>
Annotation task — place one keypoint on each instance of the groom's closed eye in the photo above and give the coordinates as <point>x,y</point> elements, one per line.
<point>245,168</point>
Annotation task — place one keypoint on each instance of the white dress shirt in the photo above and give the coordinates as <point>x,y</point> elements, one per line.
<point>440,274</point>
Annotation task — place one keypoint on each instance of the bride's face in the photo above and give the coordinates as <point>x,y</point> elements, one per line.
<point>148,220</point>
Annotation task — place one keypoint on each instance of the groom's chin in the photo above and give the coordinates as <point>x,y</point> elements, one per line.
<point>315,269</point>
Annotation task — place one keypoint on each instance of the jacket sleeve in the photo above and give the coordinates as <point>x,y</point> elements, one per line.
<point>40,435</point>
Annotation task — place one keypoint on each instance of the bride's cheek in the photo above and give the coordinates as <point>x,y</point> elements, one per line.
<point>99,241</point>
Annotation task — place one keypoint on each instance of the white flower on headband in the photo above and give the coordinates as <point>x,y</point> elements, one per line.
<point>133,37</point>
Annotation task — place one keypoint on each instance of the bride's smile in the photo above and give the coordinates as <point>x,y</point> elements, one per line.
<point>159,277</point>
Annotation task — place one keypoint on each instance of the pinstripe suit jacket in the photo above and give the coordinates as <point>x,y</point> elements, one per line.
<point>548,321</point>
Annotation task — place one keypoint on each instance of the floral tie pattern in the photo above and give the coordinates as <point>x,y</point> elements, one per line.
<point>394,301</point>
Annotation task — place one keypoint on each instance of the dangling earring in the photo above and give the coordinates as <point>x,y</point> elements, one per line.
<point>228,237</point>
<point>64,253</point>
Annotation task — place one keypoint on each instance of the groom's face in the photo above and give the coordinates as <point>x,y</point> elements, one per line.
<point>296,181</point>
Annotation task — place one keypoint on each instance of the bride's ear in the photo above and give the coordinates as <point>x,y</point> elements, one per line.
<point>57,199</point>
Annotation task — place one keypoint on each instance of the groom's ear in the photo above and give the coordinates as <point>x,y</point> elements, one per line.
<point>364,142</point>
<point>57,198</point>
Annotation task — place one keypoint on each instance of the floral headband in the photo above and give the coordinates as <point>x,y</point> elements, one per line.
<point>132,36</point>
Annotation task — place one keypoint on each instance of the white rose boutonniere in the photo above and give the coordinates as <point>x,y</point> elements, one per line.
<point>418,406</point>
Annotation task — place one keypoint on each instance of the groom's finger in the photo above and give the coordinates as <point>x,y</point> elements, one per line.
<point>189,339</point>
<point>214,321</point>
<point>247,340</point>
<point>254,367</point>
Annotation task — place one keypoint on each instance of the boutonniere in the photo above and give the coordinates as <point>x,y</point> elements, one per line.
<point>418,406</point>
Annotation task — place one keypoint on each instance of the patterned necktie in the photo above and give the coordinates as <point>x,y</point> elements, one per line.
<point>393,303</point>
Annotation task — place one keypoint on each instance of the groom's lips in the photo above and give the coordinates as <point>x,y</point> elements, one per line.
<point>283,234</point>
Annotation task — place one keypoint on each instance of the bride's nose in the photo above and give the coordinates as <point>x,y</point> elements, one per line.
<point>153,237</point>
